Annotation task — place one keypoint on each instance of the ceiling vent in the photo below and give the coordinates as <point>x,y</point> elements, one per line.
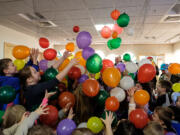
<point>38,19</point>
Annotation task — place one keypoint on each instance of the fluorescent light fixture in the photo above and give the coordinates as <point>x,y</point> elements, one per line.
<point>100,26</point>
<point>24,16</point>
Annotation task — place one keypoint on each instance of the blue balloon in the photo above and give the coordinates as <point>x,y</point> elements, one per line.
<point>174,96</point>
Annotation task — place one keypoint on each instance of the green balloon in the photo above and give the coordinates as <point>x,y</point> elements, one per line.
<point>7,94</point>
<point>101,97</point>
<point>115,43</point>
<point>132,75</point>
<point>126,57</point>
<point>109,44</point>
<point>123,20</point>
<point>1,114</point>
<point>94,63</point>
<point>114,123</point>
<point>50,74</point>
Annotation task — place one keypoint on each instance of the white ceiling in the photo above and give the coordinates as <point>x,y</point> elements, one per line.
<point>145,18</point>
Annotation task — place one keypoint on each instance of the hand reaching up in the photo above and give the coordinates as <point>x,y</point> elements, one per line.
<point>66,54</point>
<point>34,55</point>
<point>109,119</point>
<point>48,95</point>
<point>42,110</point>
<point>70,115</point>
<point>131,91</point>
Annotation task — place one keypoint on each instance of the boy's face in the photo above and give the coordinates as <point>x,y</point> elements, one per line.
<point>178,102</point>
<point>160,89</point>
<point>11,69</point>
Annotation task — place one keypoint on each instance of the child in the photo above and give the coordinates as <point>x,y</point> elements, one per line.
<point>33,90</point>
<point>153,128</point>
<point>82,131</point>
<point>40,130</point>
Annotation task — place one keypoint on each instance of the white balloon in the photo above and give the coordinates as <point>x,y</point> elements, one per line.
<point>82,125</point>
<point>144,61</point>
<point>81,68</point>
<point>126,82</point>
<point>51,63</point>
<point>118,93</point>
<point>131,67</point>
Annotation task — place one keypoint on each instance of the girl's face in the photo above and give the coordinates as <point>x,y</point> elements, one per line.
<point>11,68</point>
<point>35,75</point>
<point>138,86</point>
<point>155,117</point>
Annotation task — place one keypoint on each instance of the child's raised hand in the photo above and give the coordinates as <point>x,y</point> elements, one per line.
<point>67,107</point>
<point>66,54</point>
<point>48,95</point>
<point>34,55</point>
<point>131,91</point>
<point>42,110</point>
<point>109,119</point>
<point>70,115</point>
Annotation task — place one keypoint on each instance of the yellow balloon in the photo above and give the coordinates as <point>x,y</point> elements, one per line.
<point>95,124</point>
<point>97,75</point>
<point>65,82</point>
<point>176,87</point>
<point>78,56</point>
<point>19,64</point>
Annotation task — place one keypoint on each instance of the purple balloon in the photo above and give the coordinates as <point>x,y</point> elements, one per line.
<point>66,127</point>
<point>43,65</point>
<point>121,66</point>
<point>170,133</point>
<point>83,78</point>
<point>83,39</point>
<point>87,52</point>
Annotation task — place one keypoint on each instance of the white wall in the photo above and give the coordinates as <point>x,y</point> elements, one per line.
<point>176,52</point>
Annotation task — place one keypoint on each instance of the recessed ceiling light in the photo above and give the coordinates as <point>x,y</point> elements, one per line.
<point>100,26</point>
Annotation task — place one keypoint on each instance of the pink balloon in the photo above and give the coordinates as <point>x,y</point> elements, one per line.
<point>118,29</point>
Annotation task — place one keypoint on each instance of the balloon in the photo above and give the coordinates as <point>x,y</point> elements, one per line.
<point>43,65</point>
<point>144,61</point>
<point>65,98</point>
<point>94,63</point>
<point>70,47</point>
<point>106,32</point>
<point>114,35</point>
<point>19,64</point>
<point>95,124</point>
<point>146,73</point>
<point>111,77</point>
<point>139,118</point>
<point>117,29</point>
<point>112,104</point>
<point>7,94</point>
<point>174,68</point>
<point>133,75</point>
<point>114,122</point>
<point>106,64</point>
<point>51,118</point>
<point>123,20</point>
<point>1,115</point>
<point>64,64</point>
<point>141,97</point>
<point>115,43</point>
<point>97,75</point>
<point>83,39</point>
<point>78,56</point>
<point>74,73</point>
<point>131,67</point>
<point>126,83</point>
<point>83,70</point>
<point>118,93</point>
<point>49,54</point>
<point>150,58</point>
<point>90,87</point>
<point>82,125</point>
<point>174,96</point>
<point>101,97</point>
<point>83,78</point>
<point>126,57</point>
<point>76,29</point>
<point>115,14</point>
<point>66,127</point>
<point>21,52</point>
<point>176,87</point>
<point>121,66</point>
<point>50,74</point>
<point>109,44</point>
<point>170,133</point>
<point>87,52</point>
<point>44,42</point>
<point>164,66</point>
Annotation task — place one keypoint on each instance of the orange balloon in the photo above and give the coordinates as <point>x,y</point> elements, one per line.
<point>65,98</point>
<point>78,56</point>
<point>106,32</point>
<point>64,64</point>
<point>111,77</point>
<point>114,35</point>
<point>70,47</point>
<point>112,104</point>
<point>141,97</point>
<point>90,87</point>
<point>174,68</point>
<point>115,14</point>
<point>21,52</point>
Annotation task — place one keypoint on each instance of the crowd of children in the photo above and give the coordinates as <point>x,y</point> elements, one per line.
<point>21,116</point>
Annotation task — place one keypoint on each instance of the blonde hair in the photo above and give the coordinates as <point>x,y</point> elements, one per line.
<point>13,115</point>
<point>153,128</point>
<point>82,131</point>
<point>40,130</point>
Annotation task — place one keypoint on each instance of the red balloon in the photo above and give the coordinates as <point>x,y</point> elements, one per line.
<point>74,73</point>
<point>50,54</point>
<point>146,73</point>
<point>139,118</point>
<point>107,64</point>
<point>112,104</point>
<point>61,86</point>
<point>65,98</point>
<point>51,118</point>
<point>150,58</point>
<point>118,29</point>
<point>44,42</point>
<point>90,87</point>
<point>106,32</point>
<point>115,14</point>
<point>76,29</point>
